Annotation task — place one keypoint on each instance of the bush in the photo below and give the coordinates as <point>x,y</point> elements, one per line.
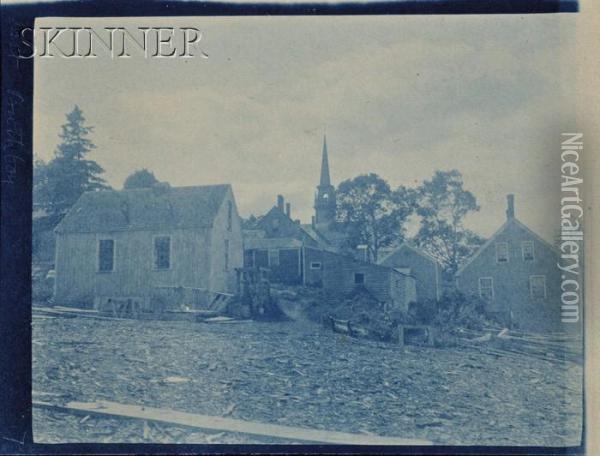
<point>456,309</point>
<point>42,286</point>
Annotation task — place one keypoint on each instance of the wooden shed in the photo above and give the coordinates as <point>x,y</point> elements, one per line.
<point>134,243</point>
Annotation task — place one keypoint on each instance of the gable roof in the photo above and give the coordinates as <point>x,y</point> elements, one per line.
<point>272,243</point>
<point>406,245</point>
<point>315,235</point>
<point>159,207</point>
<point>499,231</point>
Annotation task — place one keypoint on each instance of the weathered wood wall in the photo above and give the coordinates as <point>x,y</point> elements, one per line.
<point>222,278</point>
<point>78,280</point>
<point>425,271</point>
<point>511,281</point>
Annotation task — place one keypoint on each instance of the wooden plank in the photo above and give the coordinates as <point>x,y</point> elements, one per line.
<point>58,313</point>
<point>116,410</point>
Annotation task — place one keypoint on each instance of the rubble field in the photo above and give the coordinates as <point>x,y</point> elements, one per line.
<point>295,374</point>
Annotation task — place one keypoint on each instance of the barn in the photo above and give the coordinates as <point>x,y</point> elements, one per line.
<point>135,244</point>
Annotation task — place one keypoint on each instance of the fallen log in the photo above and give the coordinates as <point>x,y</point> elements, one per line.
<point>192,420</point>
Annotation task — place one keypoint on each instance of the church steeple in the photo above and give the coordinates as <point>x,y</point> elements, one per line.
<point>325,203</point>
<point>325,181</point>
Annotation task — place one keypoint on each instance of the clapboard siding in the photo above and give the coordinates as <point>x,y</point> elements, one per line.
<point>511,279</point>
<point>78,280</point>
<point>221,278</point>
<point>337,274</point>
<point>424,269</point>
<point>197,258</point>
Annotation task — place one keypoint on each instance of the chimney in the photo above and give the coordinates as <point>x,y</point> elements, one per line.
<point>297,221</point>
<point>510,206</point>
<point>288,210</point>
<point>313,221</point>
<point>280,202</point>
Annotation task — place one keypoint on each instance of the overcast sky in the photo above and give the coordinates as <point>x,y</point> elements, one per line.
<point>400,96</point>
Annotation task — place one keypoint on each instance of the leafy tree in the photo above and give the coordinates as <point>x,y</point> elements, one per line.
<point>371,213</point>
<point>69,174</point>
<point>250,222</point>
<point>443,204</point>
<point>141,178</point>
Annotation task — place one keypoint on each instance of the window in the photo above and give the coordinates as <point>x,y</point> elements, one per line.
<point>226,254</point>
<point>249,258</point>
<point>162,252</point>
<point>537,286</point>
<point>106,255</point>
<point>359,278</point>
<point>229,215</point>
<point>486,288</point>
<point>315,265</point>
<point>527,250</point>
<point>502,252</point>
<point>261,258</point>
<point>411,290</point>
<point>273,257</point>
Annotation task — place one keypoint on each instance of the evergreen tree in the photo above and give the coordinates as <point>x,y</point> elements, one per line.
<point>69,174</point>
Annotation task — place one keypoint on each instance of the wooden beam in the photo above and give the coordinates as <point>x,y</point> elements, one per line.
<point>192,420</point>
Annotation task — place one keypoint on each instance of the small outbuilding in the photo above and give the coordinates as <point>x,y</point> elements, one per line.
<point>420,265</point>
<point>134,244</point>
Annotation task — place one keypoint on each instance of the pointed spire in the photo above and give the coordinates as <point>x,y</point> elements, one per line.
<point>325,181</point>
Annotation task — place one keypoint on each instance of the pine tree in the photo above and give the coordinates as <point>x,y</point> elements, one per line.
<point>70,173</point>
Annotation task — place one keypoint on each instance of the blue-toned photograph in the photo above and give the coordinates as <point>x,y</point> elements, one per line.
<point>307,230</point>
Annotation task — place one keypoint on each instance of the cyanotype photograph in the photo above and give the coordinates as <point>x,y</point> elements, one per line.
<point>332,229</point>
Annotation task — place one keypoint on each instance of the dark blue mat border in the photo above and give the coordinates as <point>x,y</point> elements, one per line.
<point>15,211</point>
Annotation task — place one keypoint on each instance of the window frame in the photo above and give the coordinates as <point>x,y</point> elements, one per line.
<point>491,287</point>
<point>114,255</point>
<point>531,243</point>
<point>364,278</point>
<point>226,256</point>
<point>498,244</point>
<point>154,252</point>
<point>537,276</point>
<point>271,254</point>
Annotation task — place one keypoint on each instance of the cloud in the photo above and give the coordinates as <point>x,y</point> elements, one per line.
<point>400,96</point>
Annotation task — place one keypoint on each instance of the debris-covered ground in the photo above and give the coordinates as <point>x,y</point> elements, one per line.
<point>294,374</point>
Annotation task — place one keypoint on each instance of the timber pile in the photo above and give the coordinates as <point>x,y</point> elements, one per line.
<point>555,347</point>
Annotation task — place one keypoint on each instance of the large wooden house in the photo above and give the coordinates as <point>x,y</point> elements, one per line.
<point>516,274</point>
<point>134,243</point>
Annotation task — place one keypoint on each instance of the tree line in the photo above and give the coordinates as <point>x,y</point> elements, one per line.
<point>368,209</point>
<point>59,183</point>
<point>376,216</point>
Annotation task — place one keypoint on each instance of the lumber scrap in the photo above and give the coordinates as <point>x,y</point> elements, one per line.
<point>52,312</point>
<point>192,420</point>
